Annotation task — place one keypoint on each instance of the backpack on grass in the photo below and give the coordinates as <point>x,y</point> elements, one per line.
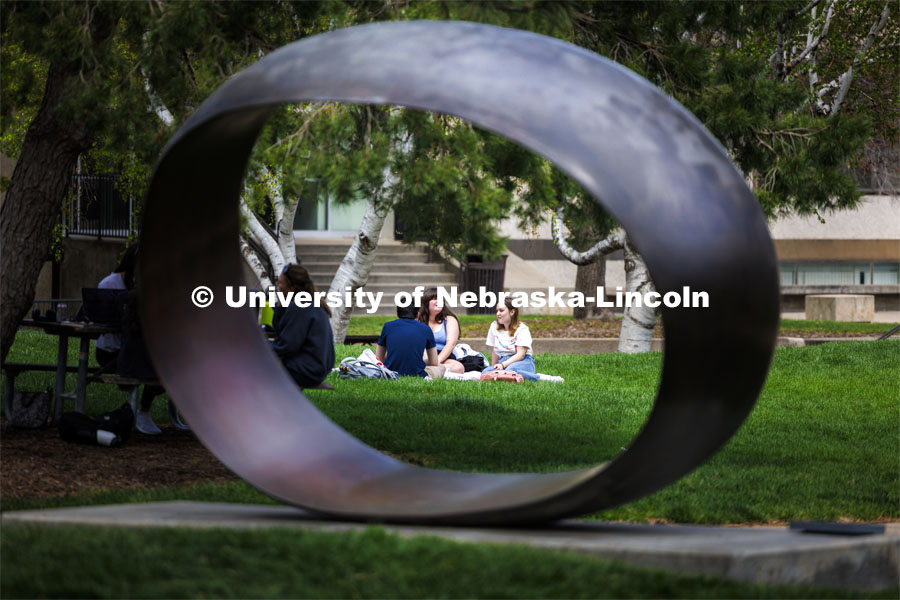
<point>30,410</point>
<point>354,368</point>
<point>109,429</point>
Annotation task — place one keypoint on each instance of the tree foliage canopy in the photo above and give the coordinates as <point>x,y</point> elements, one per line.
<point>454,181</point>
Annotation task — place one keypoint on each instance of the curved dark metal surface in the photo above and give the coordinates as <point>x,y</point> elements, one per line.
<point>649,162</point>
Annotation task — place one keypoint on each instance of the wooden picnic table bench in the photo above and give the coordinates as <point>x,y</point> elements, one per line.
<point>64,330</point>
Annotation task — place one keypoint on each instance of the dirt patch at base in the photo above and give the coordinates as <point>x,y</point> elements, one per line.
<point>38,463</point>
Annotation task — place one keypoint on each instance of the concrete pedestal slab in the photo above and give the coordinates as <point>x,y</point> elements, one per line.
<point>840,307</point>
<point>766,555</point>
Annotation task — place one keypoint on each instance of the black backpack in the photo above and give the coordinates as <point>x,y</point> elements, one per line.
<point>109,429</point>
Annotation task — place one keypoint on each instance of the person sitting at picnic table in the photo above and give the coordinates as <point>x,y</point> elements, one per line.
<point>107,346</point>
<point>510,342</point>
<point>445,327</point>
<point>403,343</point>
<point>133,360</point>
<point>304,341</point>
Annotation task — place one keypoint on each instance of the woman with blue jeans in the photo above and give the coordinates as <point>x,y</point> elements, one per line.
<point>510,342</point>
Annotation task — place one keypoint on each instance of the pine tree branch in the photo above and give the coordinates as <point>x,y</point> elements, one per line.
<point>601,248</point>
<point>298,135</point>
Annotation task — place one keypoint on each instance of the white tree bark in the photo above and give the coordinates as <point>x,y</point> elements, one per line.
<point>847,77</point>
<point>284,209</point>
<point>263,237</point>
<point>636,334</point>
<point>812,39</point>
<point>252,259</point>
<point>638,322</point>
<point>353,273</point>
<point>842,83</point>
<point>601,248</point>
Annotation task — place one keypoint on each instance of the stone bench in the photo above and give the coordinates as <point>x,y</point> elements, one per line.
<point>840,307</point>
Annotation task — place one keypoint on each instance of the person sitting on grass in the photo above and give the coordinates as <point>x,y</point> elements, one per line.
<point>445,327</point>
<point>304,341</point>
<point>510,342</point>
<point>404,341</point>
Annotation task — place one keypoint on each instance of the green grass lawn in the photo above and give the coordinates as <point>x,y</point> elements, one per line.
<point>822,443</point>
<point>178,563</point>
<point>477,325</point>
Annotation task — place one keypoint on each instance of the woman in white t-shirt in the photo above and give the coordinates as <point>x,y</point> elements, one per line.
<point>510,342</point>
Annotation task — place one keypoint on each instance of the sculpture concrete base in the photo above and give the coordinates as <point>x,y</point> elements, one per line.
<point>766,555</point>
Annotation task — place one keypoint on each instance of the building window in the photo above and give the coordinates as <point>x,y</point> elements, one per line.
<point>317,211</point>
<point>886,273</point>
<point>861,273</point>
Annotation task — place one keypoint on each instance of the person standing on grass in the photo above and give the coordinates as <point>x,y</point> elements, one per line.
<point>510,342</point>
<point>445,327</point>
<point>403,343</point>
<point>304,341</point>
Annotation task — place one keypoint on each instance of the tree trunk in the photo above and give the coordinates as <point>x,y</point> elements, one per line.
<point>354,270</point>
<point>638,323</point>
<point>587,279</point>
<point>31,209</point>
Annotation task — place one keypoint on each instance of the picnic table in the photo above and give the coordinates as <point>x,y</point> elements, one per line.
<point>64,330</point>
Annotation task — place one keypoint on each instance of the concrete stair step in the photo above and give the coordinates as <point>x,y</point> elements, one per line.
<point>413,279</point>
<point>342,249</point>
<point>378,268</point>
<point>405,277</point>
<point>391,289</point>
<point>337,257</point>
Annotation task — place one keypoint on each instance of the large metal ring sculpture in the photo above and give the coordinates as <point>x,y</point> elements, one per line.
<point>648,161</point>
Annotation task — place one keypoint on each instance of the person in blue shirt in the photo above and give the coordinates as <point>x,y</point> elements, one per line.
<point>404,341</point>
<point>304,341</point>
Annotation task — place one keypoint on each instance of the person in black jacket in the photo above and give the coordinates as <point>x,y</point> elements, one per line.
<point>304,341</point>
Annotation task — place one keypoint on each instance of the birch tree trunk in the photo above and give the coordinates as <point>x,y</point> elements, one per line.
<point>354,270</point>
<point>638,322</point>
<point>279,246</point>
<point>256,265</point>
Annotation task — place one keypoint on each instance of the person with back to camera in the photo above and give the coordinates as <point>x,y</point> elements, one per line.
<point>304,341</point>
<point>445,327</point>
<point>107,346</point>
<point>133,360</point>
<point>510,342</point>
<point>404,341</point>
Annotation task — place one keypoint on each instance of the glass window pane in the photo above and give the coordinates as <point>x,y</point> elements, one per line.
<point>886,274</point>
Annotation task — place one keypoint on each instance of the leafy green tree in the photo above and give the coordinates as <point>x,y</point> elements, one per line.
<point>102,69</point>
<point>752,73</point>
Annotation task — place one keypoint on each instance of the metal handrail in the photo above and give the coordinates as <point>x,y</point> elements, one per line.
<point>889,333</point>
